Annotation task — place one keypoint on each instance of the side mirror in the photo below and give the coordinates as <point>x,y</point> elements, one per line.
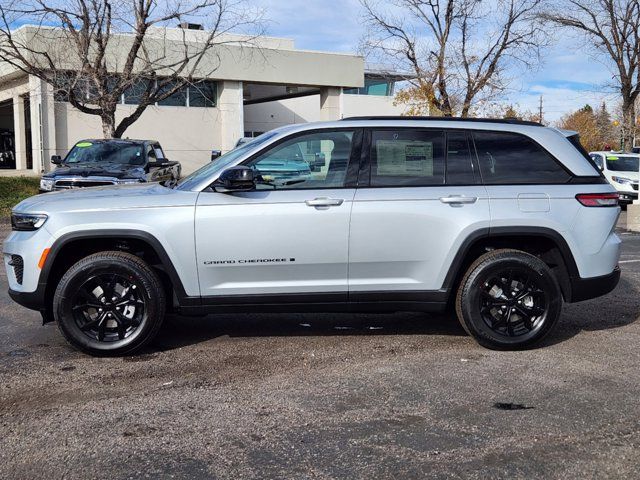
<point>236,179</point>
<point>215,154</point>
<point>159,162</point>
<point>56,159</point>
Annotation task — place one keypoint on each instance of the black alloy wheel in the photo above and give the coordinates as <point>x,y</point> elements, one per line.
<point>512,303</point>
<point>508,299</point>
<point>109,303</point>
<point>109,307</point>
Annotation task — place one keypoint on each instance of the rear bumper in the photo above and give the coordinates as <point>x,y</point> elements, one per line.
<point>587,288</point>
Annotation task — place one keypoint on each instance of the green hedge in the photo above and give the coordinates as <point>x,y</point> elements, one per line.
<point>13,190</point>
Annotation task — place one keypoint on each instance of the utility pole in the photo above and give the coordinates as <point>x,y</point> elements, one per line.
<point>540,112</point>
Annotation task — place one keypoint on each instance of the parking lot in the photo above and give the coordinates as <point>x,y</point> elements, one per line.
<point>328,396</point>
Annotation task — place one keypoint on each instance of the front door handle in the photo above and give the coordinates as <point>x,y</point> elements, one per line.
<point>324,202</point>
<point>458,199</point>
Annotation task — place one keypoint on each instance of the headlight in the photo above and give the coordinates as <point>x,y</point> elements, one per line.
<point>27,221</point>
<point>622,180</point>
<point>46,184</point>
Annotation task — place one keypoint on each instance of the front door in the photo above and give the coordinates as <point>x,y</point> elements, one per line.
<point>290,236</point>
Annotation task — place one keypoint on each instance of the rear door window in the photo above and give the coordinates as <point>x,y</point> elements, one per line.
<point>407,157</point>
<point>510,158</point>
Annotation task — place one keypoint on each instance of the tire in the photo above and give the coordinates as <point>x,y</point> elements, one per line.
<point>500,319</point>
<point>102,326</point>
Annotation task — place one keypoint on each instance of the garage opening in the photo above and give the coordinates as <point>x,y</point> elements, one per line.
<point>7,136</point>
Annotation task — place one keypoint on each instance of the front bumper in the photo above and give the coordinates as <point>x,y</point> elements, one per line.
<point>587,288</point>
<point>30,300</point>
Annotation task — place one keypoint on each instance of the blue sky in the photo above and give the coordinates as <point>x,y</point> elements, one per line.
<point>568,78</point>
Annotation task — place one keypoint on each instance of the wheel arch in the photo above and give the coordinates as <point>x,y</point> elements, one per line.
<point>546,243</point>
<point>72,246</point>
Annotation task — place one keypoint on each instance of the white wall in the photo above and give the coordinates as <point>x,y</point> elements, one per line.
<point>367,105</point>
<point>187,134</point>
<point>263,117</point>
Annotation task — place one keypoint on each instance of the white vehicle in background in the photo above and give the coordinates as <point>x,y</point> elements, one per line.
<point>621,170</point>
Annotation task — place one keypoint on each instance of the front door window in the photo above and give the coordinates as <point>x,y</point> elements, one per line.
<point>311,161</point>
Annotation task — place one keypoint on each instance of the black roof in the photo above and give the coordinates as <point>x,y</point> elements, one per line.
<point>510,121</point>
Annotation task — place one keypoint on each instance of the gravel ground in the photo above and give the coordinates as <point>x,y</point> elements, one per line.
<point>328,396</point>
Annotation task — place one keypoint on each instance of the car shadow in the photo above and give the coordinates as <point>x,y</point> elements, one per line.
<point>615,310</point>
<point>178,331</point>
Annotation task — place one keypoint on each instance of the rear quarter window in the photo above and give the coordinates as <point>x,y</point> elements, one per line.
<point>511,158</point>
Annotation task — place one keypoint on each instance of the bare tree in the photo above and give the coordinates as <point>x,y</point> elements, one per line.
<point>459,50</point>
<point>611,27</point>
<point>92,51</point>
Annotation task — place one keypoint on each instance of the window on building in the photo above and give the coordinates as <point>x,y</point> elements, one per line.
<point>133,94</point>
<point>407,157</point>
<point>315,160</point>
<point>377,87</point>
<point>507,158</point>
<point>203,94</point>
<point>176,99</point>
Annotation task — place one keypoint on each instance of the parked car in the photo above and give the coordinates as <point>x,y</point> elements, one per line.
<point>7,149</point>
<point>93,163</point>
<point>502,219</point>
<point>621,170</point>
<point>635,150</point>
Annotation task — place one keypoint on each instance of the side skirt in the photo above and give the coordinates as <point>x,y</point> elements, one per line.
<point>357,302</point>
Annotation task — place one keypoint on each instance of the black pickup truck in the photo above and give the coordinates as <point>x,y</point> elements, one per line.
<point>92,163</point>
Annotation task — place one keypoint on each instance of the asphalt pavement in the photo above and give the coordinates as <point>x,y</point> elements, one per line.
<point>320,396</point>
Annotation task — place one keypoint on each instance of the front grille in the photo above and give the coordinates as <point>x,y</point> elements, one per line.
<point>18,267</point>
<point>635,186</point>
<point>66,184</point>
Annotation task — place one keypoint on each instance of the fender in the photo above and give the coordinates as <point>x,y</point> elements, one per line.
<point>37,300</point>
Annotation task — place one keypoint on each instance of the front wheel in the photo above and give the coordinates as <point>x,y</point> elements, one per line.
<point>508,300</point>
<point>109,303</point>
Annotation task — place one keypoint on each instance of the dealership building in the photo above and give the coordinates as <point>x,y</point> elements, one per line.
<point>252,89</point>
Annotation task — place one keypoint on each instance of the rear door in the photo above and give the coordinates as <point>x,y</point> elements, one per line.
<point>419,197</point>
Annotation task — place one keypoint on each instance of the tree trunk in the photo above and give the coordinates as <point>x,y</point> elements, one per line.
<point>108,124</point>
<point>628,124</point>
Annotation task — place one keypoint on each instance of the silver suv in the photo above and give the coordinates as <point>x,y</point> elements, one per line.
<point>502,220</point>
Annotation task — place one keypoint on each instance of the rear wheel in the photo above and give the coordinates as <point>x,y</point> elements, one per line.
<point>508,299</point>
<point>109,303</point>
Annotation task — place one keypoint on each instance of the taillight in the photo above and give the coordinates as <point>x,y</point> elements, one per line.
<point>598,199</point>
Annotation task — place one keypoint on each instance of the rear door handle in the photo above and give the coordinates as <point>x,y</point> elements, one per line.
<point>458,199</point>
<point>324,202</point>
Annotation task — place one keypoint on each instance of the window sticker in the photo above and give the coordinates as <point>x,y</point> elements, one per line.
<point>404,158</point>
<point>83,144</point>
<point>611,157</point>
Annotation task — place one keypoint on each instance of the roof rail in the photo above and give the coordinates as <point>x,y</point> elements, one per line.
<point>511,121</point>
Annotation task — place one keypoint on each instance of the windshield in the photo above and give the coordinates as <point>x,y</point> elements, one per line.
<point>106,152</point>
<point>622,163</point>
<point>223,162</point>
